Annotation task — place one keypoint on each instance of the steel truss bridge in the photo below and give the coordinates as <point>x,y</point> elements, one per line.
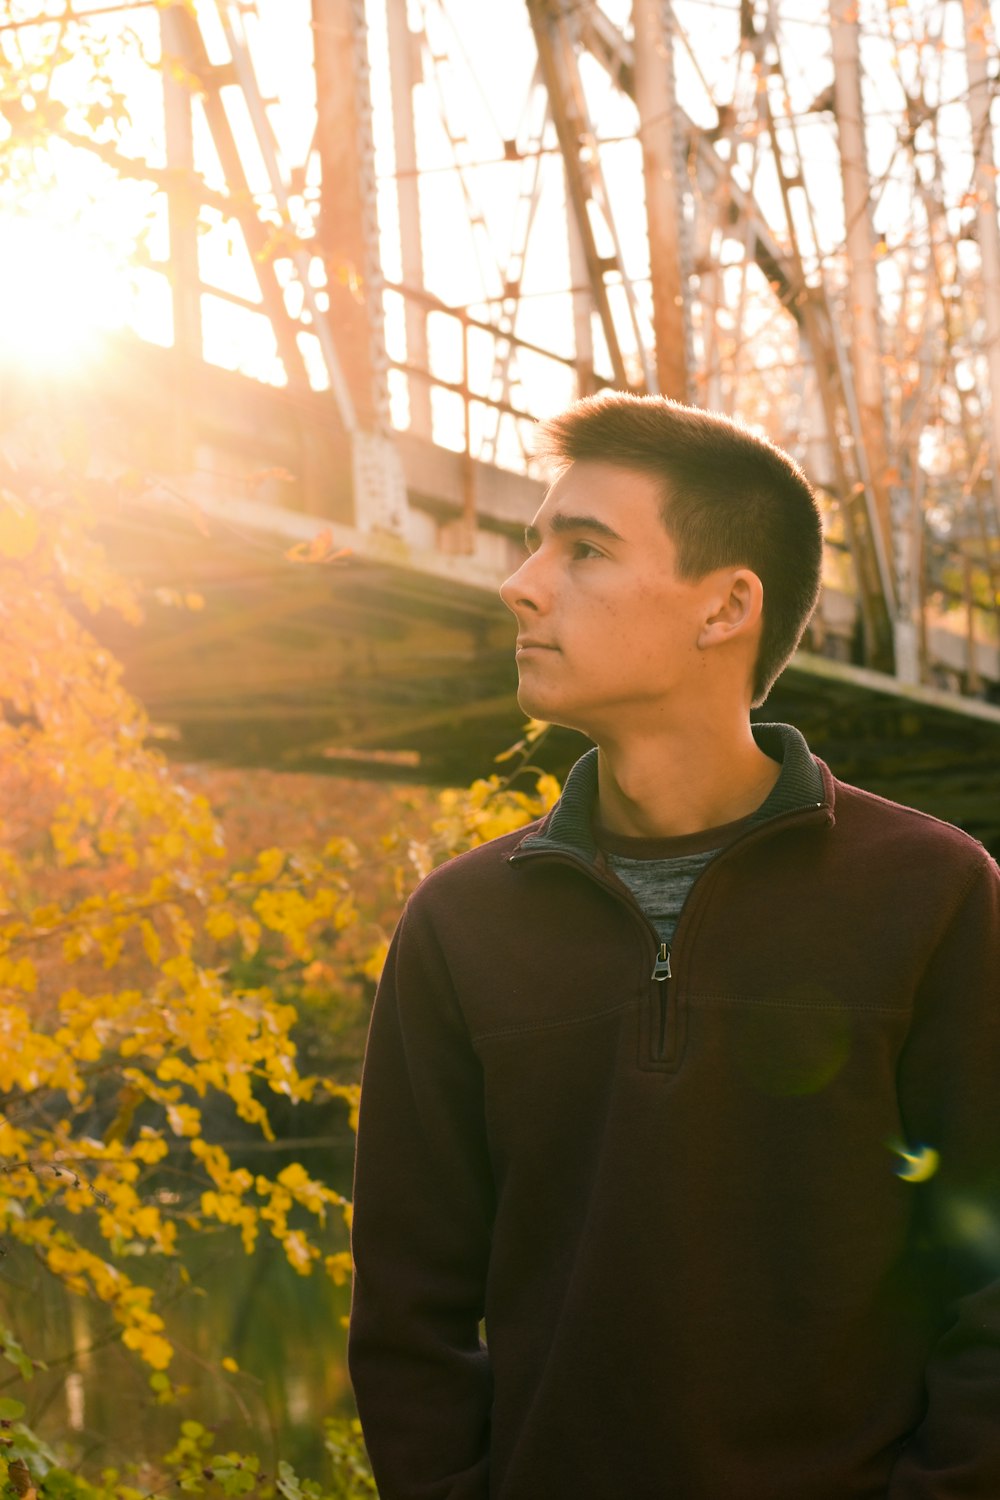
<point>443,221</point>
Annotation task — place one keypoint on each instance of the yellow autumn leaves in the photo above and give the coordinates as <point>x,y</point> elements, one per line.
<point>18,527</point>
<point>120,930</point>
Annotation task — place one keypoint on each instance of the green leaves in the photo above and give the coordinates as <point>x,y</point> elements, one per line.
<point>11,1351</point>
<point>234,1474</point>
<point>61,1484</point>
<point>194,1468</point>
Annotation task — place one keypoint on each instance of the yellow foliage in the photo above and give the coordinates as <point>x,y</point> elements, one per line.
<point>373,965</point>
<point>19,528</point>
<point>220,923</point>
<point>119,869</point>
<point>301,1253</point>
<point>490,807</point>
<point>18,974</point>
<point>338,1267</point>
<point>184,1119</point>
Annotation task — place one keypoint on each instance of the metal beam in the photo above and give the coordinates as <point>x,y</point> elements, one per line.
<point>231,19</point>
<point>182,197</point>
<point>616,55</point>
<point>583,305</point>
<point>552,56</point>
<point>348,226</point>
<point>865,346</point>
<point>186,33</point>
<point>662,154</point>
<point>978,24</point>
<point>833,383</point>
<point>403,76</point>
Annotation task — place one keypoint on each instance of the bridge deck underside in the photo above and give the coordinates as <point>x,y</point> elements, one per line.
<point>372,667</point>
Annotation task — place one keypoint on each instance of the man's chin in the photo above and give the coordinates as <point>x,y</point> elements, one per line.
<point>537,705</point>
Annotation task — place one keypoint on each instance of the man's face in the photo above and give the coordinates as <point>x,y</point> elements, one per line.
<point>607,631</point>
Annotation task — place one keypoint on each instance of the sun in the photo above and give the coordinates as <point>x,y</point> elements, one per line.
<point>60,290</point>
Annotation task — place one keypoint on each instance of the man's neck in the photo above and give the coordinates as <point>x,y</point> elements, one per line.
<point>670,785</point>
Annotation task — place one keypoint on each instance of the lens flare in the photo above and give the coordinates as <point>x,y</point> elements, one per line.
<point>918,1165</point>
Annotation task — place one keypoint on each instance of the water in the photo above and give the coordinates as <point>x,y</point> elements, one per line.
<point>285,1331</point>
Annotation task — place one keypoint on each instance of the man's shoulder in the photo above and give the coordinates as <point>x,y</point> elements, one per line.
<point>876,820</point>
<point>484,864</point>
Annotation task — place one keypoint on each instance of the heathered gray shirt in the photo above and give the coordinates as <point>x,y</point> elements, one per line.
<point>661,872</point>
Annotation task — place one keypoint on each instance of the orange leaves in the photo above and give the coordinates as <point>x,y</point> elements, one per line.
<point>19,528</point>
<point>322,549</point>
<point>179,599</point>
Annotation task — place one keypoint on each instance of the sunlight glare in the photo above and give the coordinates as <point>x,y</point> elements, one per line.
<point>59,291</point>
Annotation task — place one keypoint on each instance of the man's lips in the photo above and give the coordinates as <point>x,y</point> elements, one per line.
<point>525,643</point>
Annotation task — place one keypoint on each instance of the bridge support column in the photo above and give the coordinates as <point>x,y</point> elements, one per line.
<point>865,345</point>
<point>662,155</point>
<point>404,76</point>
<point>348,227</point>
<point>979,41</point>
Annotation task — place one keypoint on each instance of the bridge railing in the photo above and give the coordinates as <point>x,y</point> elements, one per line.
<point>481,366</point>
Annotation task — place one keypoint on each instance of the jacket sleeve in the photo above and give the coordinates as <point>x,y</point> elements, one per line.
<point>949,1084</point>
<point>423,1210</point>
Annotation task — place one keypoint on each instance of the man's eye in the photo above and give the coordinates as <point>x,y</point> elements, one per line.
<point>586,549</point>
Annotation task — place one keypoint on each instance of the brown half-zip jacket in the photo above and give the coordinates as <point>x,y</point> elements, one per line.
<point>735,1234</point>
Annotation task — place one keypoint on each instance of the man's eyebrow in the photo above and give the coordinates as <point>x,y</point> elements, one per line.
<point>561,523</point>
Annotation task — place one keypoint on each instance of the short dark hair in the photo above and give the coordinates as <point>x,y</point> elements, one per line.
<point>729,499</point>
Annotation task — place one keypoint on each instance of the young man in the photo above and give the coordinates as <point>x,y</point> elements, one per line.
<point>691,1090</point>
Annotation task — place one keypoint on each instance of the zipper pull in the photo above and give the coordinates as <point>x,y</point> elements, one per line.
<point>661,970</point>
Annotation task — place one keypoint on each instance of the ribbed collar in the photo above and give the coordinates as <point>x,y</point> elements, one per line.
<point>569,825</point>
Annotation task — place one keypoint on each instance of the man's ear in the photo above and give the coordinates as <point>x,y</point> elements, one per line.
<point>734,608</point>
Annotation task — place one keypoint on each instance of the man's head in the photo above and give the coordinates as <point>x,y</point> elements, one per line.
<point>731,505</point>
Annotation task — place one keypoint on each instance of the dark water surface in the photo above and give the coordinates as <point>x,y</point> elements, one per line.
<point>285,1331</point>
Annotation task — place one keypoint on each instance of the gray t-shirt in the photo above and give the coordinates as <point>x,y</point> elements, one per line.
<point>661,872</point>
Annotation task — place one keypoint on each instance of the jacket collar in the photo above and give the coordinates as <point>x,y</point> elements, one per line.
<point>804,783</point>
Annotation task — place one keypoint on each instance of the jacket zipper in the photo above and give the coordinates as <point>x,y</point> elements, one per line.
<point>662,971</point>
<point>662,975</point>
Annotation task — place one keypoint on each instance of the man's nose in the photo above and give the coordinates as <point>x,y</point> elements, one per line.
<point>521,590</point>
